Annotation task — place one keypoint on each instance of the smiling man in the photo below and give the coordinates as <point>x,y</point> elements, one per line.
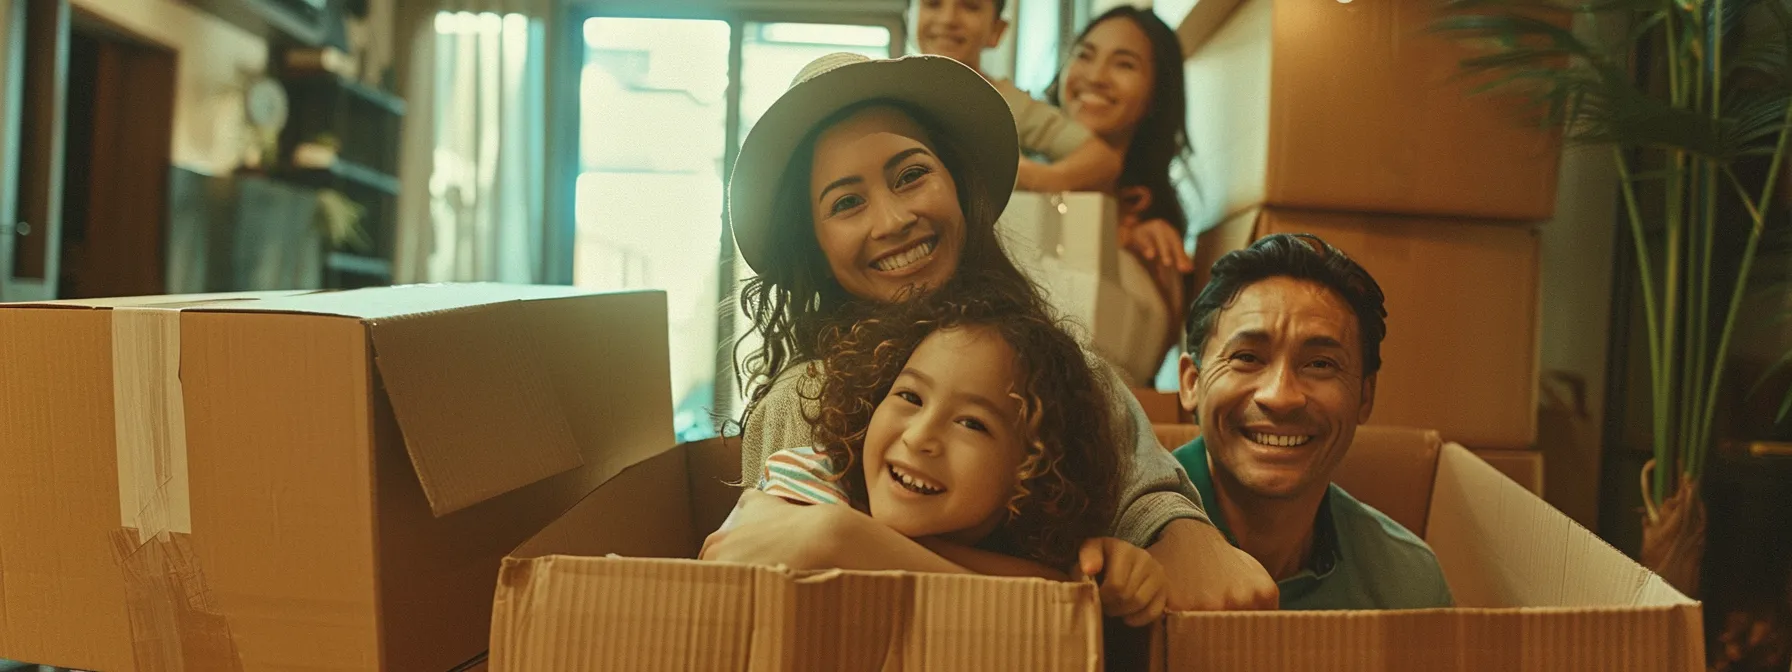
<point>1281,352</point>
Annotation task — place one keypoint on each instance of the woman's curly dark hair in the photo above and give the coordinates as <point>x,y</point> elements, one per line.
<point>1069,483</point>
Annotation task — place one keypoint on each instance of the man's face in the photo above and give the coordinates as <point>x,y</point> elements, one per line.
<point>1279,389</point>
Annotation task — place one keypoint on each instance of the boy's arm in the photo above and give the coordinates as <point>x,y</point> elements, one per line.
<point>1092,166</point>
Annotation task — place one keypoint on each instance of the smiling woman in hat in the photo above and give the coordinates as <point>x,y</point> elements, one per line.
<point>866,178</point>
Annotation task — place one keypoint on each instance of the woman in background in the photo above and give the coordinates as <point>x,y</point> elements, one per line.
<point>1124,82</point>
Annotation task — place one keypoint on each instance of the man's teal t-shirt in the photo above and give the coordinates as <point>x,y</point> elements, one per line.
<point>1362,559</point>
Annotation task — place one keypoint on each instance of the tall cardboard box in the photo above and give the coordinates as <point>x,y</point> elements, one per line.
<point>321,481</point>
<point>1533,590</point>
<point>565,603</point>
<point>1461,354</point>
<point>1069,245</point>
<point>1352,106</point>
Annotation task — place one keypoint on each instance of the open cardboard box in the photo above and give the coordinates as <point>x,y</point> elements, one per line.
<point>1534,590</point>
<point>563,604</point>
<point>302,481</point>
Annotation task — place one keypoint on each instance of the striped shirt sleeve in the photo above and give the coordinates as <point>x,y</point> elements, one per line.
<point>802,475</point>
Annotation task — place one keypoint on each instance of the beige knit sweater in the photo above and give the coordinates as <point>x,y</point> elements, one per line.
<point>1157,491</point>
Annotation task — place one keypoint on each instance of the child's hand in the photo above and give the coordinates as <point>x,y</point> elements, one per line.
<point>1133,584</point>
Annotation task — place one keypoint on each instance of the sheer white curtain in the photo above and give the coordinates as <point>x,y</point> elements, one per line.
<point>472,162</point>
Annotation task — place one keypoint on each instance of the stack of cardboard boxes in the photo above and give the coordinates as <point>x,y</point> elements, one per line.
<point>1348,120</point>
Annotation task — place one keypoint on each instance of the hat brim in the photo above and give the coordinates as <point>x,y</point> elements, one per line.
<point>958,100</point>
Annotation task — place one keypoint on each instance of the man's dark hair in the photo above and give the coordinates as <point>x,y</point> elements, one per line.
<point>1302,256</point>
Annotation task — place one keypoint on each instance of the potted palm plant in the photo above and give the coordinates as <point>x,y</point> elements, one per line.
<point>1689,138</point>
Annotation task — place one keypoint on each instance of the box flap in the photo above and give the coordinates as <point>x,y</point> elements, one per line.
<point>473,398</point>
<point>1501,546</point>
<point>563,612</point>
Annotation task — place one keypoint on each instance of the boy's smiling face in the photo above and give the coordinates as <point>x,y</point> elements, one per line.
<point>959,29</point>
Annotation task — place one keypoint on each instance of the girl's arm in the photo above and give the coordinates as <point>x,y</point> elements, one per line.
<point>987,563</point>
<point>767,530</point>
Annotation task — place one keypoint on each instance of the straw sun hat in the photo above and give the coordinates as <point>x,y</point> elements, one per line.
<point>959,101</point>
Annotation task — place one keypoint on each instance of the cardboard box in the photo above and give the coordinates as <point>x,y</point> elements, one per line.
<point>1354,107</point>
<point>1524,467</point>
<point>1461,354</point>
<point>1160,406</point>
<point>1068,244</point>
<point>563,603</point>
<point>321,481</point>
<point>1534,591</point>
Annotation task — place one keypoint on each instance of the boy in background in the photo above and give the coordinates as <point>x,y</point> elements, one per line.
<point>1078,161</point>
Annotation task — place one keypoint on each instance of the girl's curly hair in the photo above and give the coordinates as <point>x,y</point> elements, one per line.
<point>1068,484</point>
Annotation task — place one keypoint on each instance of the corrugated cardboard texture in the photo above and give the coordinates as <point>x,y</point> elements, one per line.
<point>62,591</point>
<point>1390,468</point>
<point>561,606</point>
<point>1537,591</point>
<point>1355,107</point>
<point>574,613</point>
<point>1460,640</point>
<point>1452,287</point>
<point>1501,546</point>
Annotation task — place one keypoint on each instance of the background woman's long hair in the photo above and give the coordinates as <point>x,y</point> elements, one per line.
<point>1162,136</point>
<point>792,301</point>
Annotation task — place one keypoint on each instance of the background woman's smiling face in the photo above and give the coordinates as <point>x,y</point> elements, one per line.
<point>1106,85</point>
<point>886,210</point>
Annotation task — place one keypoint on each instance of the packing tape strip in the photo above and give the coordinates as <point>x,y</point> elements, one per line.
<point>174,623</point>
<point>149,415</point>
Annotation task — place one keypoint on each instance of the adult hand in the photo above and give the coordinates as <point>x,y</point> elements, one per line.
<point>769,530</point>
<point>1208,574</point>
<point>1155,240</point>
<point>1133,584</point>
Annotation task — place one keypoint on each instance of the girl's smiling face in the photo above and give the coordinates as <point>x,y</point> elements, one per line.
<point>944,447</point>
<point>885,208</point>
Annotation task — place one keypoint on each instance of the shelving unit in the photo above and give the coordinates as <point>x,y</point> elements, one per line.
<point>365,124</point>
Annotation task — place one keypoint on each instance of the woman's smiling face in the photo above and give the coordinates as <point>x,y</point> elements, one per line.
<point>885,208</point>
<point>1107,84</point>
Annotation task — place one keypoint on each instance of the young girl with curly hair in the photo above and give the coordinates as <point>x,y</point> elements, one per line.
<point>969,416</point>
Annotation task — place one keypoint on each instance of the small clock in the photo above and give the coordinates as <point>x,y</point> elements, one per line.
<point>266,105</point>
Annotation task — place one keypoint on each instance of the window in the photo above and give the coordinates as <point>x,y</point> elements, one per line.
<point>654,147</point>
